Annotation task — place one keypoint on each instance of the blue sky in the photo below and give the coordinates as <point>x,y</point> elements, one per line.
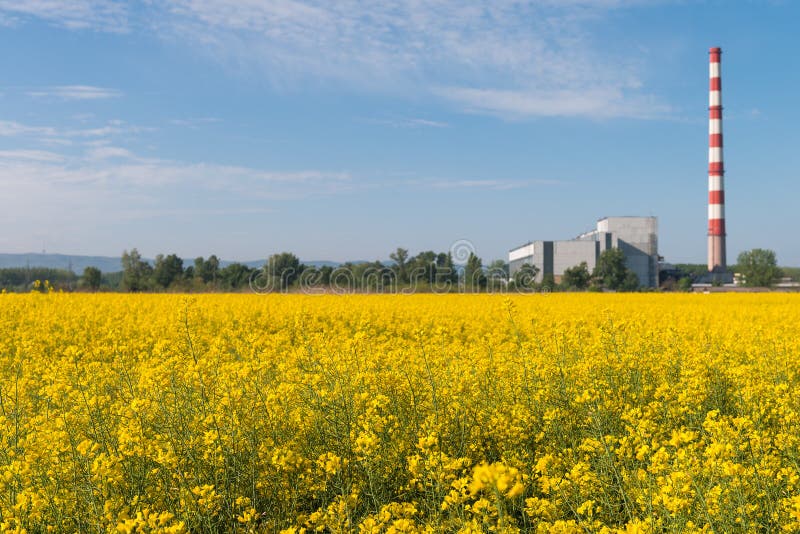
<point>341,130</point>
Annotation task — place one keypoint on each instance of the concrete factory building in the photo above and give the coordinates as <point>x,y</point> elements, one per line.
<point>637,237</point>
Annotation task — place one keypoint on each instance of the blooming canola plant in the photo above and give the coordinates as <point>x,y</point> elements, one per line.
<point>393,413</point>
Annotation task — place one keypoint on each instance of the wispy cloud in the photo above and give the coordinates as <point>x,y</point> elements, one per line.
<point>118,169</point>
<point>102,15</point>
<point>152,213</point>
<point>16,129</point>
<point>40,156</point>
<point>487,184</point>
<point>58,195</point>
<point>477,184</point>
<point>591,102</point>
<point>500,57</point>
<point>51,135</point>
<point>427,123</point>
<point>75,92</point>
<point>109,152</point>
<point>194,122</point>
<point>6,21</point>
<point>408,123</point>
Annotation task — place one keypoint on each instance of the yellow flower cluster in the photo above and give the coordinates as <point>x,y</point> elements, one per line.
<point>399,413</point>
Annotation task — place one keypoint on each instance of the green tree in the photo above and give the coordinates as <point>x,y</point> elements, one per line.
<point>498,269</point>
<point>611,272</point>
<point>525,277</point>
<point>446,273</point>
<point>423,267</point>
<point>235,275</point>
<point>577,277</point>
<point>284,268</point>
<point>631,282</point>
<point>400,258</point>
<point>759,267</point>
<point>685,284</point>
<point>135,271</point>
<point>474,277</point>
<point>91,278</point>
<point>167,270</point>
<point>212,268</point>
<point>497,275</point>
<point>207,270</point>
<point>199,267</point>
<point>325,274</point>
<point>548,282</point>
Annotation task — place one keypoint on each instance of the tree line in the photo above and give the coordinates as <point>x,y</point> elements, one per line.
<point>168,273</point>
<point>425,271</point>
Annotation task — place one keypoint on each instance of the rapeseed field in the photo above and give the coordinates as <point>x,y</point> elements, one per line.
<point>399,414</point>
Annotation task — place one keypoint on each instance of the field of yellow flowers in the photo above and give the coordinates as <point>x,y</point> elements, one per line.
<point>394,413</point>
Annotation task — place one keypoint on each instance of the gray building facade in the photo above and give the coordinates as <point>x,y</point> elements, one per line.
<point>637,237</point>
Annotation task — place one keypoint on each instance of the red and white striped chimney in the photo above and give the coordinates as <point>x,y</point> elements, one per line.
<point>716,169</point>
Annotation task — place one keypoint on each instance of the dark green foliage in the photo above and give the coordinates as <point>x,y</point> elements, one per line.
<point>759,267</point>
<point>206,270</point>
<point>685,284</point>
<point>474,277</point>
<point>525,277</point>
<point>21,278</point>
<point>400,257</point>
<point>283,268</point>
<point>235,275</point>
<point>694,270</point>
<point>136,273</point>
<point>577,277</point>
<point>497,275</point>
<point>548,282</point>
<point>168,269</point>
<point>791,272</point>
<point>630,283</point>
<point>611,272</point>
<point>92,278</point>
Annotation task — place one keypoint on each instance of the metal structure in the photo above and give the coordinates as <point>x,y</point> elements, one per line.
<point>716,168</point>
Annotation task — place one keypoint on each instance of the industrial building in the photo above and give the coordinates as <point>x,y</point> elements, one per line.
<point>637,237</point>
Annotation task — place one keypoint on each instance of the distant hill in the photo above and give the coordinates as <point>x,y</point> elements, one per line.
<point>61,261</point>
<point>107,264</point>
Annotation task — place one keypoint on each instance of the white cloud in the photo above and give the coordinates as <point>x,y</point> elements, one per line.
<point>408,123</point>
<point>50,135</point>
<point>539,52</point>
<point>109,130</point>
<point>477,184</point>
<point>501,57</point>
<point>428,123</point>
<point>109,152</point>
<point>491,184</point>
<point>194,122</point>
<point>111,169</point>
<point>103,15</point>
<point>104,189</point>
<point>75,92</point>
<point>16,129</point>
<point>151,213</point>
<point>41,156</point>
<point>591,102</point>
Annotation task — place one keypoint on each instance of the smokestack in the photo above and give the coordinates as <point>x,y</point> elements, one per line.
<point>716,168</point>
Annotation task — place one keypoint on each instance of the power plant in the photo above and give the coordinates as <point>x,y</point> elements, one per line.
<point>716,168</point>
<point>637,236</point>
